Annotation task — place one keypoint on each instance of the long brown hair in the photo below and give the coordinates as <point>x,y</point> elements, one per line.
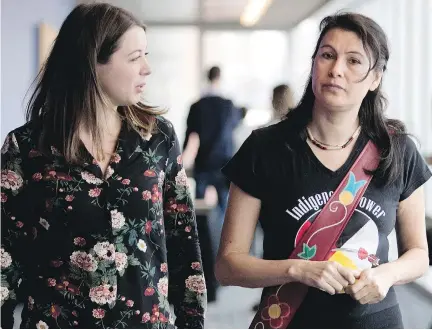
<point>385,133</point>
<point>68,91</point>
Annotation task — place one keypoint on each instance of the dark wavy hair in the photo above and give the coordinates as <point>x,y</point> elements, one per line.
<point>68,89</point>
<point>385,133</point>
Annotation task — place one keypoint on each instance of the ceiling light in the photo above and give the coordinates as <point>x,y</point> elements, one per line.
<point>253,12</point>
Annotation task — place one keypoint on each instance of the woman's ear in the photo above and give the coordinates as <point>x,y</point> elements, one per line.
<point>377,80</point>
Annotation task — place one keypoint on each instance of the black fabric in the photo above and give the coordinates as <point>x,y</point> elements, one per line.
<point>213,118</point>
<point>280,169</point>
<point>389,318</point>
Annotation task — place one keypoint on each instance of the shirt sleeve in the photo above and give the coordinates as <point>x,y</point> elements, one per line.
<point>416,171</point>
<point>191,125</point>
<point>244,169</point>
<point>14,231</point>
<point>187,289</point>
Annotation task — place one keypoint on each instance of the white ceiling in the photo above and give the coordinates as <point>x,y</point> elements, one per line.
<point>282,14</point>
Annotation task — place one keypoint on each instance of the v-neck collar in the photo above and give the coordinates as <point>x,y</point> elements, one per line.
<point>126,151</point>
<point>355,152</point>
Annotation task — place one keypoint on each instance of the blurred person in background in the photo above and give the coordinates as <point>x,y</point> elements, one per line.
<point>98,227</point>
<point>209,144</point>
<point>283,173</point>
<point>282,102</point>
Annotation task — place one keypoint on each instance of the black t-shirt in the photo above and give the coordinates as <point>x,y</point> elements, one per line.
<point>213,118</point>
<point>293,185</point>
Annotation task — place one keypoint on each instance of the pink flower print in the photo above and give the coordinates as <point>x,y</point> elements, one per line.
<point>125,182</point>
<point>148,227</point>
<point>182,208</point>
<point>188,229</point>
<point>196,283</point>
<point>6,259</point>
<point>155,197</point>
<point>150,173</point>
<point>3,198</point>
<point>145,317</point>
<point>91,178</point>
<point>120,261</point>
<point>79,241</point>
<point>163,318</point>
<point>69,198</point>
<point>103,294</point>
<point>179,160</point>
<point>196,266</point>
<point>149,292</point>
<point>51,282</point>
<point>19,224</point>
<point>164,267</point>
<point>181,178</point>
<point>95,192</point>
<point>84,261</point>
<point>98,313</point>
<point>37,177</point>
<point>163,286</point>
<point>105,250</point>
<point>11,180</point>
<point>129,303</point>
<point>146,195</point>
<point>117,219</point>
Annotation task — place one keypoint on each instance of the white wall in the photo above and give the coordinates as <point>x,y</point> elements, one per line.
<point>19,49</point>
<point>174,82</point>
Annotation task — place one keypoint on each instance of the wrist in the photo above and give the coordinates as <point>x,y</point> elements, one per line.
<point>294,270</point>
<point>389,272</point>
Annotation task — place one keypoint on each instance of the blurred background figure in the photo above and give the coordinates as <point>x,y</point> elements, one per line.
<point>257,44</point>
<point>208,146</point>
<point>212,119</point>
<point>282,102</point>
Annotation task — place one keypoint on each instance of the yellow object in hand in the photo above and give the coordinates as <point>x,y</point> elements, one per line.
<point>343,260</point>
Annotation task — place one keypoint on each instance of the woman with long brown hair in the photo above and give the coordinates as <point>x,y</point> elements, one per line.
<point>98,226</point>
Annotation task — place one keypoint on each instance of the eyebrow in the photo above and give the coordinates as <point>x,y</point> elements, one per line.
<point>350,52</point>
<point>138,50</point>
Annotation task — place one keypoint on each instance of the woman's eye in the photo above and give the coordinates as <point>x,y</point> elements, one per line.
<point>354,61</point>
<point>327,55</point>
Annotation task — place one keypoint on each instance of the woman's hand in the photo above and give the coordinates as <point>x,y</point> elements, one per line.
<point>328,276</point>
<point>371,287</point>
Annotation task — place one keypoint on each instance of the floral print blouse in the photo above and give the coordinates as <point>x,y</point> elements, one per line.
<point>83,250</point>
